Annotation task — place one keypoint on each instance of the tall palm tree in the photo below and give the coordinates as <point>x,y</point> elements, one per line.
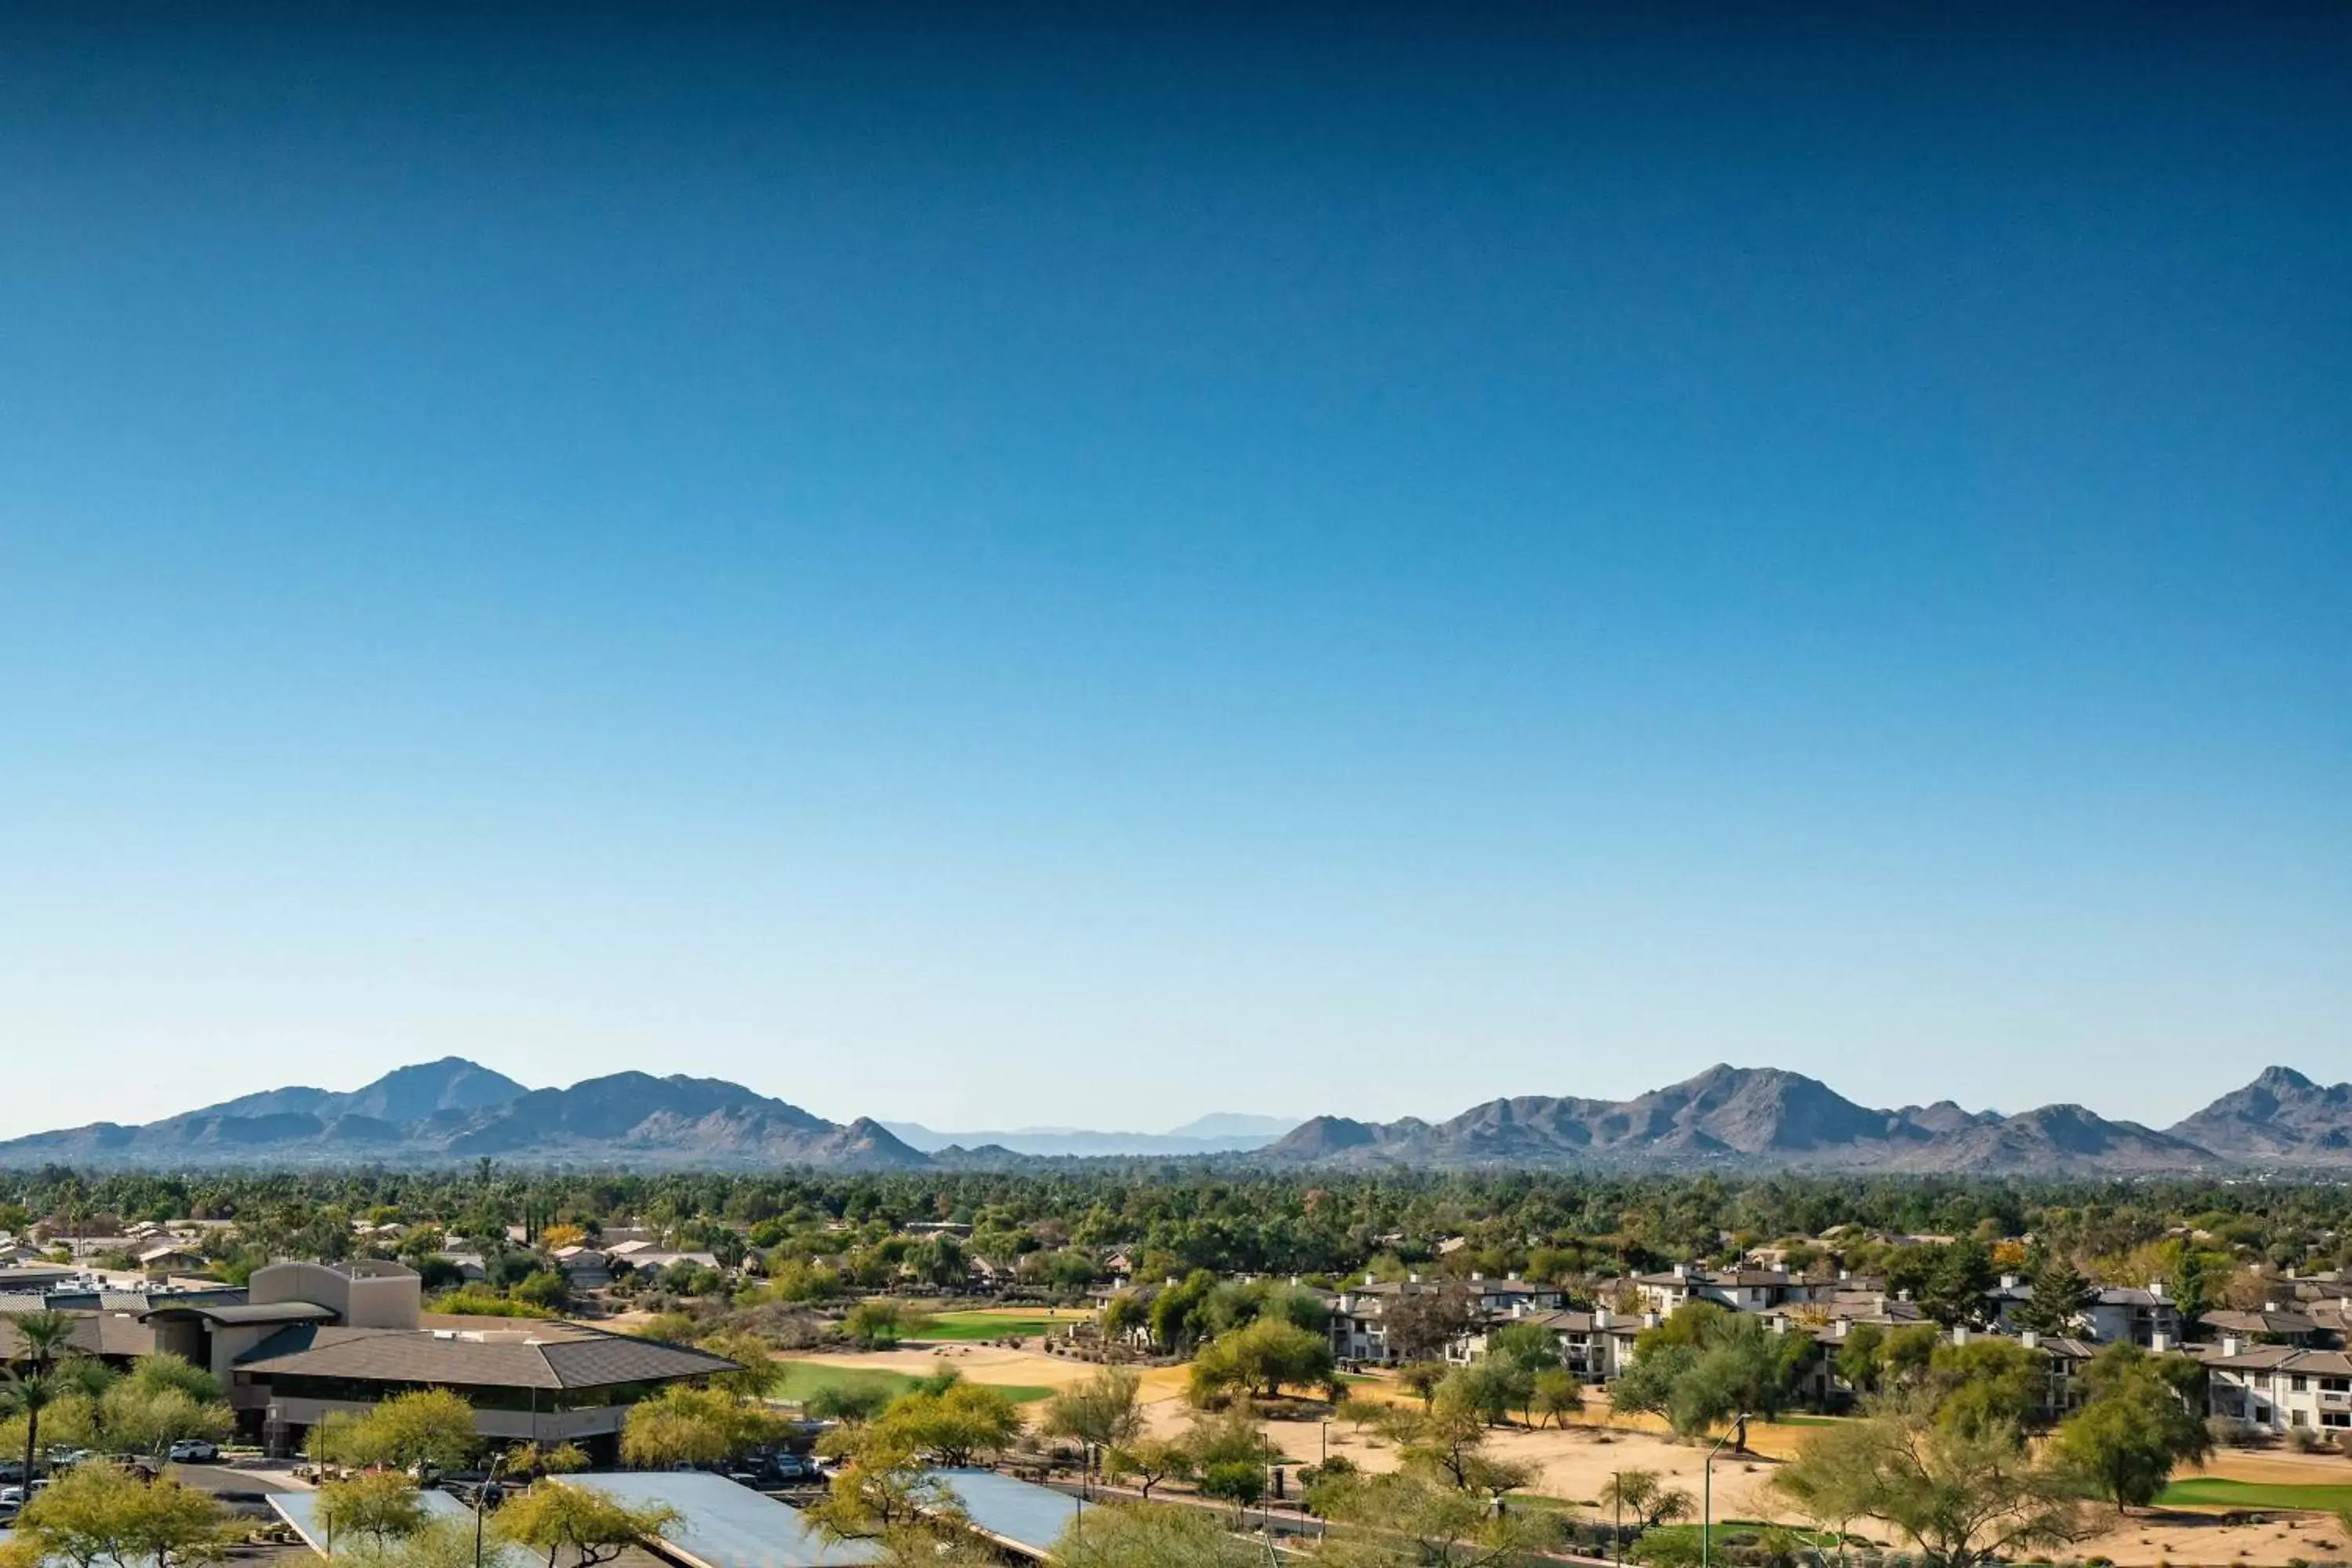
<point>43,1340</point>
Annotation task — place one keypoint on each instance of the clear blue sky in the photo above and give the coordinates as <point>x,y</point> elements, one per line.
<point>1105,567</point>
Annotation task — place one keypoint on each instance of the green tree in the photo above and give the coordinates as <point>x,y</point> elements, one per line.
<point>1404,1520</point>
<point>1419,1323</point>
<point>2060,1294</point>
<point>1422,1378</point>
<point>954,1427</point>
<point>136,1417</point>
<point>432,1428</point>
<point>688,1425</point>
<point>562,1518</point>
<point>1150,1535</point>
<point>749,1351</point>
<point>1148,1461</point>
<point>1240,1482</point>
<point>2136,1427</point>
<point>380,1506</point>
<point>44,1339</point>
<point>1641,1494</point>
<point>1961,1496</point>
<point>1105,1412</point>
<point>98,1513</point>
<point>1834,1488</point>
<point>1857,1358</point>
<point>1988,1386</point>
<point>1957,1291</point>
<point>852,1404</point>
<point>1556,1396</point>
<point>874,1325</point>
<point>1262,1359</point>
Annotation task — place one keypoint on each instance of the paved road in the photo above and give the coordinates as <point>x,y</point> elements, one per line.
<point>222,1479</point>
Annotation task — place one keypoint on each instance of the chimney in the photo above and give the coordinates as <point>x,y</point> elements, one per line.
<point>1476,1278</point>
<point>1518,1309</point>
<point>1650,1320</point>
<point>1682,1270</point>
<point>1369,1278</point>
<point>1841,1326</point>
<point>1602,1317</point>
<point>2233,1345</point>
<point>2009,1281</point>
<point>2270,1306</point>
<point>2159,1343</point>
<point>2030,1339</point>
<point>1294,1282</point>
<point>1902,1295</point>
<point>1959,1333</point>
<point>1413,1279</point>
<point>1170,1281</point>
<point>2155,1289</point>
<point>1513,1275</point>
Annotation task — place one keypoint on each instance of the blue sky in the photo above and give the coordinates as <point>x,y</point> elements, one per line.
<point>1099,569</point>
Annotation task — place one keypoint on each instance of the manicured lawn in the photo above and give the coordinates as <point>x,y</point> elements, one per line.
<point>799,1379</point>
<point>985,1325</point>
<point>2214,1491</point>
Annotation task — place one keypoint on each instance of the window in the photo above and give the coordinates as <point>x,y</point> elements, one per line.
<point>2301,1384</point>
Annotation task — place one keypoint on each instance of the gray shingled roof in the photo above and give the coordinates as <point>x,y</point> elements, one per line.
<point>249,1312</point>
<point>565,1355</point>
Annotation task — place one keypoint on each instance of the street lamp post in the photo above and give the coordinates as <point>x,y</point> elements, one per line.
<point>483,1498</point>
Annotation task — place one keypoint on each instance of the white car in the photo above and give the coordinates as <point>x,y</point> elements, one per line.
<point>193,1451</point>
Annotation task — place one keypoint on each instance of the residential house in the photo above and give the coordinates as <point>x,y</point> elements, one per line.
<point>2280,1387</point>
<point>1359,1312</point>
<point>1597,1346</point>
<point>2146,1318</point>
<point>584,1267</point>
<point>1740,1290</point>
<point>2272,1325</point>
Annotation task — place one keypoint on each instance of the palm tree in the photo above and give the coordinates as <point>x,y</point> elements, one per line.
<point>43,1340</point>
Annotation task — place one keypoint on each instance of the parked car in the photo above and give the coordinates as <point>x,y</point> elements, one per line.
<point>193,1451</point>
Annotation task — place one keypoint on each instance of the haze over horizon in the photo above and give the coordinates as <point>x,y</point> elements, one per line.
<point>1086,570</point>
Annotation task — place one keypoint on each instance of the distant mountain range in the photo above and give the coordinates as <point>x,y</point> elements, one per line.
<point>453,1111</point>
<point>1766,1117</point>
<point>1220,1132</point>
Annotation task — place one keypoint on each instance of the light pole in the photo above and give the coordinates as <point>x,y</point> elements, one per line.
<point>483,1497</point>
<point>1706,1490</point>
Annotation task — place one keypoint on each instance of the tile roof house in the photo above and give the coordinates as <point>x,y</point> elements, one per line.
<point>1358,1312</point>
<point>2280,1387</point>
